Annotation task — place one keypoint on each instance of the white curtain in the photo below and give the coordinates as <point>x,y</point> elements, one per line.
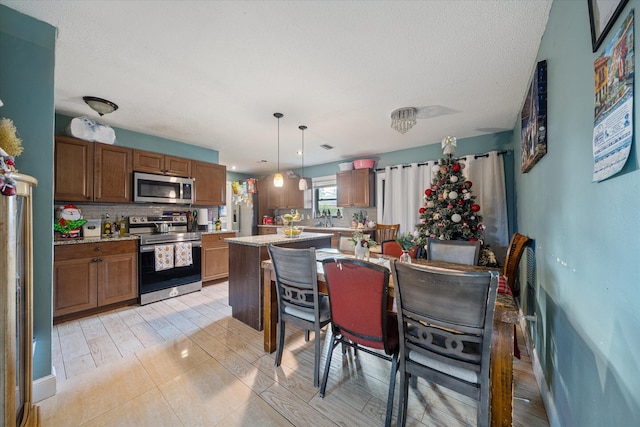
<point>404,194</point>
<point>487,176</point>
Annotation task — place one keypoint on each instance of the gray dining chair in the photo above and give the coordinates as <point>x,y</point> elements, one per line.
<point>299,302</point>
<point>458,251</point>
<point>445,323</point>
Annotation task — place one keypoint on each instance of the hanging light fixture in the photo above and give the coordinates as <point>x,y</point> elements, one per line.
<point>99,105</point>
<point>403,119</point>
<point>302,184</point>
<point>278,180</point>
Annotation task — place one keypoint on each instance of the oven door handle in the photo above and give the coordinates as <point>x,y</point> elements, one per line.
<point>152,248</point>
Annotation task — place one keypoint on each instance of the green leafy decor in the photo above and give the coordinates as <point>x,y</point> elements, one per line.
<point>407,241</point>
<point>66,226</point>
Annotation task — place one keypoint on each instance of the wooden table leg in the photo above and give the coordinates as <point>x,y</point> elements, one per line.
<point>270,312</point>
<point>502,374</point>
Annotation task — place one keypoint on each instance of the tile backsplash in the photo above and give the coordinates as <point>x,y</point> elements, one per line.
<point>99,211</point>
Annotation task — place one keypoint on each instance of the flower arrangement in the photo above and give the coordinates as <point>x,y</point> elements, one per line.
<point>407,241</point>
<point>364,239</point>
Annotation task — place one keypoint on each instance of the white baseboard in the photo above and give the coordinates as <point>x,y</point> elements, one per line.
<point>44,387</point>
<point>552,413</point>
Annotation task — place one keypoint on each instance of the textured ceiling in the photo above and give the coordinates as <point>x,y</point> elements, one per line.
<point>212,73</point>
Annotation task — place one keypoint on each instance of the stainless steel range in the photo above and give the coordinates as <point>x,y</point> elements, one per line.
<point>169,261</point>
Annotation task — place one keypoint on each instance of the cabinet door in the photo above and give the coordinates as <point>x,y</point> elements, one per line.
<point>343,183</point>
<point>277,196</point>
<point>177,166</point>
<point>73,170</point>
<point>362,185</point>
<point>145,161</point>
<point>117,278</point>
<point>295,196</point>
<point>216,263</point>
<point>267,230</point>
<point>74,286</point>
<point>112,174</point>
<point>264,208</point>
<point>210,183</point>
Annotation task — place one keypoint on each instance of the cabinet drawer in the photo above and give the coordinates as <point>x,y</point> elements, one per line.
<point>211,240</point>
<point>89,250</point>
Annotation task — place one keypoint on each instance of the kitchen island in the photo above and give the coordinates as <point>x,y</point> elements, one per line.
<point>245,273</point>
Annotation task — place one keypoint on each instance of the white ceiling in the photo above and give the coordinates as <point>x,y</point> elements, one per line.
<point>212,73</point>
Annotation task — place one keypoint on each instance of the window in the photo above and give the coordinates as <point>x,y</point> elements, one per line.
<point>325,193</point>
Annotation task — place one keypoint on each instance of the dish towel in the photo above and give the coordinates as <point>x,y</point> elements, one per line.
<point>183,254</point>
<point>164,257</point>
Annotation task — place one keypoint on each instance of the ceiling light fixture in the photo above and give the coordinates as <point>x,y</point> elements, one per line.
<point>403,119</point>
<point>99,105</point>
<point>278,180</point>
<point>302,184</point>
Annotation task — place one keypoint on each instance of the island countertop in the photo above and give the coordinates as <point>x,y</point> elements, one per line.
<point>268,239</point>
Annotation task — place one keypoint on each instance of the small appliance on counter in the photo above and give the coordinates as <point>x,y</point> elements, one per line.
<point>92,228</point>
<point>267,220</point>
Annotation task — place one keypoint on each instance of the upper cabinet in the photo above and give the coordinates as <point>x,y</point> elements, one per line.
<point>289,196</point>
<point>210,183</point>
<point>355,188</point>
<point>88,171</point>
<point>145,161</point>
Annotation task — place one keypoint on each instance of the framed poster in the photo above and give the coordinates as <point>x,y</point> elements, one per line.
<point>602,16</point>
<point>534,119</point>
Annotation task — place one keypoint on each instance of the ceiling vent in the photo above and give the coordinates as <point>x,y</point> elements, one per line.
<point>327,146</point>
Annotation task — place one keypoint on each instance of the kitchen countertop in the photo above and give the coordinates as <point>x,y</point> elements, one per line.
<point>267,239</point>
<point>320,229</point>
<point>104,238</point>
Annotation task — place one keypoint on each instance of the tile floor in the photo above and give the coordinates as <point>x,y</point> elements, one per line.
<point>186,362</point>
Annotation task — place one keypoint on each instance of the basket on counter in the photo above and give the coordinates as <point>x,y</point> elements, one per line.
<point>347,166</point>
<point>364,163</point>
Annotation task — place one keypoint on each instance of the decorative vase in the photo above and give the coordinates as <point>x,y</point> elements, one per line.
<point>405,257</point>
<point>361,252</point>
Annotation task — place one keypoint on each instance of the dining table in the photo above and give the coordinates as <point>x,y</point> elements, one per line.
<point>502,341</point>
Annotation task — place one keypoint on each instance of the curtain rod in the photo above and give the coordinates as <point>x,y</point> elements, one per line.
<point>500,153</point>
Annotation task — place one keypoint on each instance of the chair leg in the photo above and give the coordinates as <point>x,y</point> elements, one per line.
<point>392,386</point>
<point>280,343</point>
<point>316,356</point>
<point>483,408</point>
<point>327,365</point>
<point>404,398</point>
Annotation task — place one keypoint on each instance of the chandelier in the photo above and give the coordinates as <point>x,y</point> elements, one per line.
<point>403,119</point>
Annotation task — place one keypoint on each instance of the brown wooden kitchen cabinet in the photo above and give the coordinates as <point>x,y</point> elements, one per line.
<point>355,188</point>
<point>263,229</point>
<point>263,190</point>
<point>289,196</point>
<point>88,171</point>
<point>210,183</point>
<point>87,276</point>
<point>145,161</point>
<point>215,256</point>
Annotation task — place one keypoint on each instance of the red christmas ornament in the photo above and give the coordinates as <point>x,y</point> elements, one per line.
<point>442,181</point>
<point>475,208</point>
<point>449,206</point>
<point>427,192</point>
<point>468,184</point>
<point>421,210</point>
<point>460,202</point>
<point>473,239</point>
<point>435,187</point>
<point>9,161</point>
<point>456,167</point>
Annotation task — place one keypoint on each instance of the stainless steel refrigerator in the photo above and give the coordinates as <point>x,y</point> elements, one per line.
<point>242,213</point>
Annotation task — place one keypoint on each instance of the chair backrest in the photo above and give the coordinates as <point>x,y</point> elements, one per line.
<point>358,291</point>
<point>458,251</point>
<point>296,279</point>
<point>512,260</point>
<point>446,316</point>
<point>391,248</point>
<point>386,232</point>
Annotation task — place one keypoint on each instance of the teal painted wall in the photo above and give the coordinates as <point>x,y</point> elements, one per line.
<point>27,54</point>
<point>156,144</point>
<point>586,289</point>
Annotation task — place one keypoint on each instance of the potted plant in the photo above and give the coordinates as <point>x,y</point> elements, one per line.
<point>407,242</point>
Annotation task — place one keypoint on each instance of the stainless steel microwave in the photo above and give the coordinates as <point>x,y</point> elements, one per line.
<point>148,187</point>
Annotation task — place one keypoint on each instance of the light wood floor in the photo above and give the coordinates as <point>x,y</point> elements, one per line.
<point>186,362</point>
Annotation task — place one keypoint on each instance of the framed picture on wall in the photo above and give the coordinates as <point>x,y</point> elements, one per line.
<point>602,16</point>
<point>534,119</point>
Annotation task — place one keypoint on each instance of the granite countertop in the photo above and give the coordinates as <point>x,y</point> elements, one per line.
<point>104,238</point>
<point>267,239</point>
<point>217,232</point>
<point>320,229</point>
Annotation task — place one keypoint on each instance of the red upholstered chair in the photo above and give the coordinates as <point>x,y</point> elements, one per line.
<point>391,248</point>
<point>445,321</point>
<point>358,291</point>
<point>299,302</point>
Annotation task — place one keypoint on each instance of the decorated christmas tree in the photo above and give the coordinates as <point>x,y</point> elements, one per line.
<point>450,211</point>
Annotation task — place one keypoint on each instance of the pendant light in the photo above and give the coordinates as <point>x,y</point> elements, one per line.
<point>278,180</point>
<point>302,184</point>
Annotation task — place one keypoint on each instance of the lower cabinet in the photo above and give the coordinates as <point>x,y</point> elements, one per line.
<point>91,275</point>
<point>215,256</point>
<point>267,230</point>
